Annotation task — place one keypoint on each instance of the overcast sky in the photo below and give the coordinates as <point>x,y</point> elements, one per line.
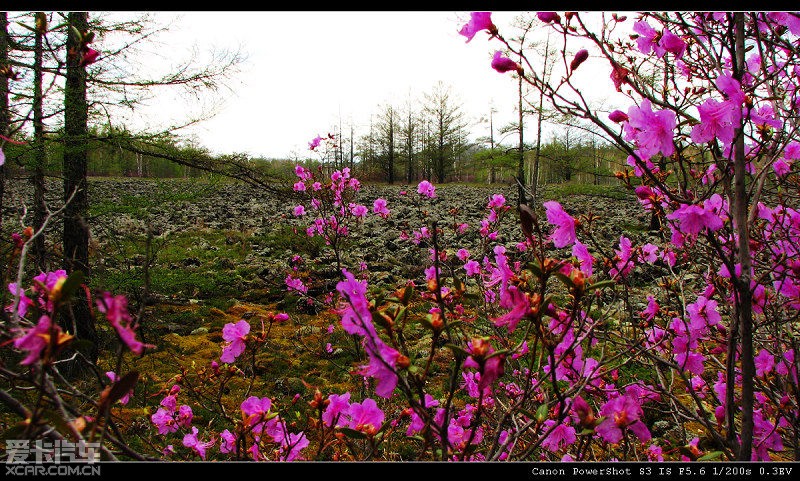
<point>306,69</point>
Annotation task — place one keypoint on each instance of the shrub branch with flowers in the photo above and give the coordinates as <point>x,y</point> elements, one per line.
<point>530,344</point>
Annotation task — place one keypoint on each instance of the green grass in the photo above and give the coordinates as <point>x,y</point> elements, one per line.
<point>568,189</point>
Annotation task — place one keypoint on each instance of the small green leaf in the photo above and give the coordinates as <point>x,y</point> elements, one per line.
<point>601,284</point>
<point>378,319</point>
<point>71,285</point>
<point>352,433</point>
<point>565,279</point>
<point>541,413</point>
<point>535,268</point>
<point>710,456</point>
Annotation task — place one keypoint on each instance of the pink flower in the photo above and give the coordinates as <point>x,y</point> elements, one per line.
<point>299,186</point>
<point>672,43</point>
<point>462,254</point>
<point>731,88</point>
<point>191,441</point>
<point>314,143</point>
<point>504,64</point>
<point>716,120</point>
<point>379,207</point>
<point>765,362</point>
<point>548,17</point>
<point>427,189</point>
<point>299,210</point>
<point>497,200</point>
<point>337,412</point>
<point>255,411</point>
<point>236,335</point>
<point>291,447</point>
<point>366,416</point>
<point>472,267</point>
<point>356,317</point>
<point>185,416</point>
<point>693,219</point>
<point>293,284</point>
<point>358,210</point>
<point>35,340</point>
<point>114,378</point>
<point>227,442</point>
<point>116,311</point>
<point>646,41</point>
<point>621,413</point>
<point>561,436</point>
<point>478,21</point>
<point>581,252</point>
<point>564,235</point>
<point>280,317</point>
<point>302,172</point>
<point>382,365</point>
<point>164,421</point>
<point>651,131</point>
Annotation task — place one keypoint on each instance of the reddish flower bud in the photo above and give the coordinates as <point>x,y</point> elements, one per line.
<point>548,17</point>
<point>504,64</point>
<point>89,57</point>
<point>580,57</point>
<point>618,116</point>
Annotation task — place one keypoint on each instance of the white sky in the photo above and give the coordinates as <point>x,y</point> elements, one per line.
<point>305,69</point>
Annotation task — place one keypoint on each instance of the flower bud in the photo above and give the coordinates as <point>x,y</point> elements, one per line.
<point>579,58</point>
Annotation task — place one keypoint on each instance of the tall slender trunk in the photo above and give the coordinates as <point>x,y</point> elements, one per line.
<point>520,147</point>
<point>4,117</point>
<point>744,301</point>
<point>76,230</point>
<point>39,152</point>
<point>537,156</point>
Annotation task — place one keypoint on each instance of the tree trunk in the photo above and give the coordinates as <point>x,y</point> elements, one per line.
<point>39,154</point>
<point>521,149</point>
<point>76,230</point>
<point>4,117</point>
<point>744,304</point>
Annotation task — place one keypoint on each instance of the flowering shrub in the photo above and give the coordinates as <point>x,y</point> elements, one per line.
<point>536,342</point>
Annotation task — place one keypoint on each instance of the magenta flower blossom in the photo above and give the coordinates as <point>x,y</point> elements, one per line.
<point>646,41</point>
<point>356,318</point>
<point>716,120</point>
<point>690,362</point>
<point>337,412</point>
<point>462,254</point>
<point>236,335</point>
<point>116,311</point>
<point>314,143</point>
<point>619,75</point>
<point>255,411</point>
<point>358,210</point>
<point>497,200</point>
<point>299,186</point>
<point>621,413</point>
<point>765,362</point>
<point>548,17</point>
<point>293,284</point>
<point>427,189</point>
<point>191,441</point>
<point>227,442</point>
<point>114,378</point>
<point>693,219</point>
<point>35,340</point>
<point>581,252</point>
<point>472,267</point>
<point>366,416</point>
<point>185,416</point>
<point>302,172</point>
<point>379,207</point>
<point>164,421</point>
<point>564,235</point>
<point>780,167</point>
<point>299,210</point>
<point>290,448</point>
<point>731,88</point>
<point>561,436</point>
<point>651,131</point>
<point>280,317</point>
<point>504,64</point>
<point>382,365</point>
<point>672,43</point>
<point>24,301</point>
<point>478,21</point>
